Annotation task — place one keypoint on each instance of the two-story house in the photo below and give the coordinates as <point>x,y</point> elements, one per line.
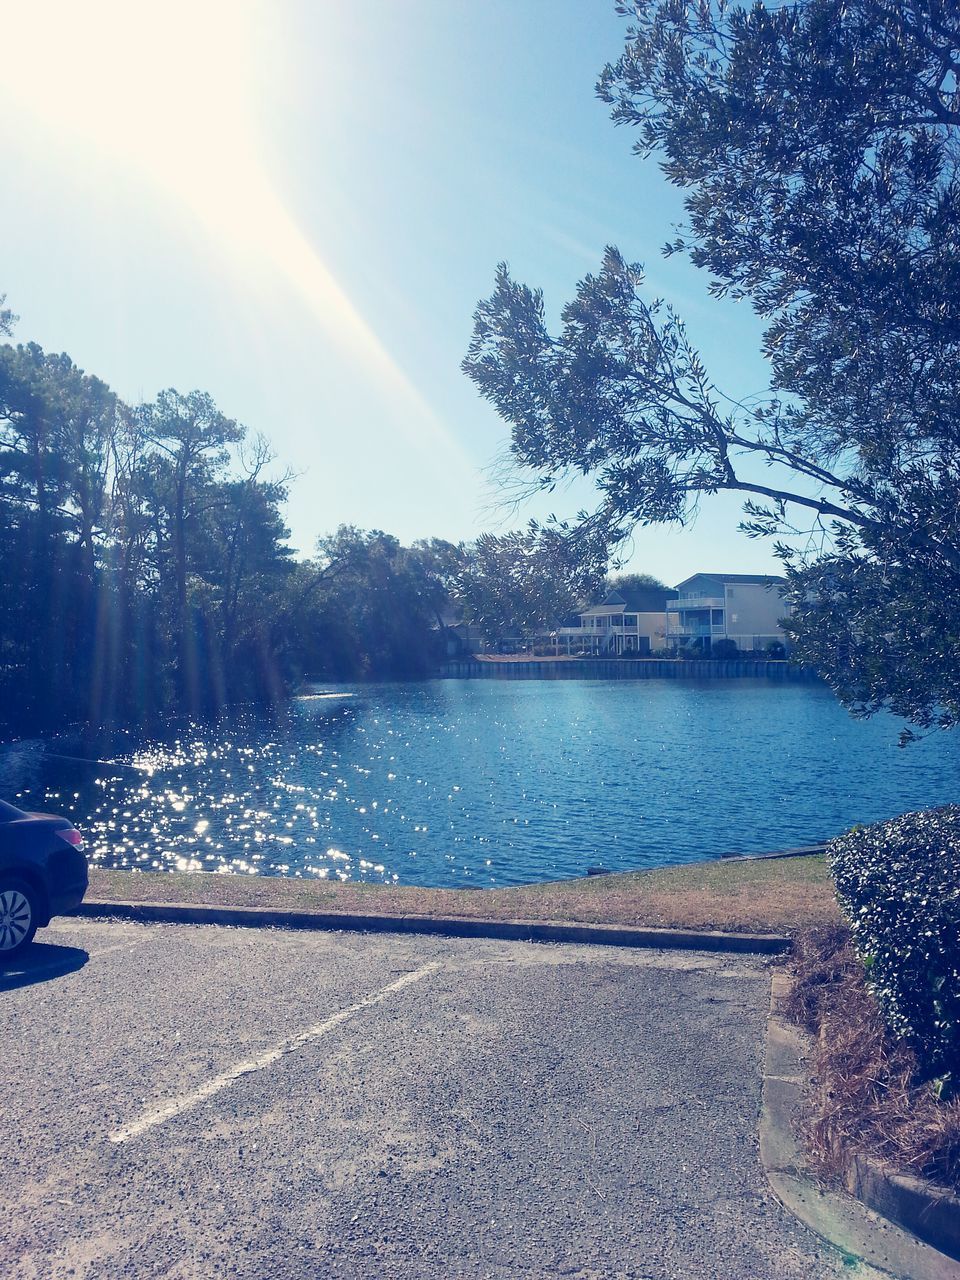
<point>633,621</point>
<point>743,607</point>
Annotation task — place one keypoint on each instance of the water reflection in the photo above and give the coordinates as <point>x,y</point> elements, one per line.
<point>481,782</point>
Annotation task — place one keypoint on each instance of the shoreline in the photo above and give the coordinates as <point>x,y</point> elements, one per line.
<point>519,666</point>
<point>779,895</point>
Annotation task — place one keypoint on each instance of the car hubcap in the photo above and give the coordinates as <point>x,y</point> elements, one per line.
<point>15,917</point>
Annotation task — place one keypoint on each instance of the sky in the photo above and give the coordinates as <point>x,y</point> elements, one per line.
<point>296,205</point>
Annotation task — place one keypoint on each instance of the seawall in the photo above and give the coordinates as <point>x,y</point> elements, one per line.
<point>622,669</point>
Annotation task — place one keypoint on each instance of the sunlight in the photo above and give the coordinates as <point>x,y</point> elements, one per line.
<point>171,91</point>
<point>165,87</point>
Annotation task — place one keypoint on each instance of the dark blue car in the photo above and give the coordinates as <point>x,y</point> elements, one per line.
<point>43,873</point>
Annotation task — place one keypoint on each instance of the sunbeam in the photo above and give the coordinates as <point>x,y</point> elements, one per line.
<point>173,93</point>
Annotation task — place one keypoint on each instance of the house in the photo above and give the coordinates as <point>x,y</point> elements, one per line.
<point>743,607</point>
<point>459,636</point>
<point>633,621</point>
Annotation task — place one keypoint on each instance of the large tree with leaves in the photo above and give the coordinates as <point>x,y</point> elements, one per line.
<point>817,146</point>
<point>520,584</point>
<point>367,606</point>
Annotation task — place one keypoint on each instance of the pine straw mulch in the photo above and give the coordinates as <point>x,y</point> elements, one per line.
<point>865,1094</point>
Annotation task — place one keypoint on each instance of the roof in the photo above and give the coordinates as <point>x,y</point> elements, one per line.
<point>636,600</point>
<point>648,599</point>
<point>757,579</point>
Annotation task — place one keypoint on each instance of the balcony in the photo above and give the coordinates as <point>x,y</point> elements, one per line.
<point>695,602</point>
<point>695,632</point>
<point>676,629</point>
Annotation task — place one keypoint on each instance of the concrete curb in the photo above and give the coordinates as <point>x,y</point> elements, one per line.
<point>882,1224</point>
<point>928,1211</point>
<point>803,851</point>
<point>444,926</point>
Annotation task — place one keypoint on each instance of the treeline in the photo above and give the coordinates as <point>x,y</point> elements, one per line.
<point>145,568</point>
<point>143,562</point>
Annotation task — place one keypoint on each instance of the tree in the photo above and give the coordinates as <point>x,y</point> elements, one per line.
<point>521,583</point>
<point>189,438</point>
<point>817,146</point>
<point>370,607</point>
<point>57,427</point>
<point>242,564</point>
<point>634,582</point>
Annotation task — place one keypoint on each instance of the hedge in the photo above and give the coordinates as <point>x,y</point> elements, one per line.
<point>898,883</point>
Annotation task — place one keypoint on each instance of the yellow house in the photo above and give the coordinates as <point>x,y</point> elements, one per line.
<point>632,622</point>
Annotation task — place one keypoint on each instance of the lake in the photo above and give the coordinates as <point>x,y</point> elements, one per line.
<point>483,782</point>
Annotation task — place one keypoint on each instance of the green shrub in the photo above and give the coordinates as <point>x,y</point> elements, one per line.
<point>776,650</point>
<point>898,882</point>
<point>724,648</point>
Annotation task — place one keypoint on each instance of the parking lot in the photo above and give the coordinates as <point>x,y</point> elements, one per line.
<point>202,1102</point>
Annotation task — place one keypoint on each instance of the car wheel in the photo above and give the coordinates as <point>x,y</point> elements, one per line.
<point>18,917</point>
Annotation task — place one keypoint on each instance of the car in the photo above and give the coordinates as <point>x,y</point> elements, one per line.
<point>43,873</point>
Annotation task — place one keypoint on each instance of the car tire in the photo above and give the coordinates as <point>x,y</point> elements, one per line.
<point>18,916</point>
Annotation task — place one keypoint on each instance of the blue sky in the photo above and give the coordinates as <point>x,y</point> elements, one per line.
<point>296,206</point>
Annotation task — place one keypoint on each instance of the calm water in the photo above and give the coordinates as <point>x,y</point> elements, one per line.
<point>486,782</point>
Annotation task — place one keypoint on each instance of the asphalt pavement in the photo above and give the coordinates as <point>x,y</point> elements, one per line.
<point>199,1102</point>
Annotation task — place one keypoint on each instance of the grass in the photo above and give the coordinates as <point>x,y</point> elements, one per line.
<point>780,895</point>
<point>866,1096</point>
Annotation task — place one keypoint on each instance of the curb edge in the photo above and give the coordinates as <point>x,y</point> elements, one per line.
<point>859,1223</point>
<point>444,926</point>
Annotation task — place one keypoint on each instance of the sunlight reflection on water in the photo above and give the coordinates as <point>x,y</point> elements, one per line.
<point>483,782</point>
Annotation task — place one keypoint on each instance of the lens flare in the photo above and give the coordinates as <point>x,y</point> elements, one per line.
<point>174,92</point>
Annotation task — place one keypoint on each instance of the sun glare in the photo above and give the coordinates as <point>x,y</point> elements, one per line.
<point>161,85</point>
<point>170,91</point>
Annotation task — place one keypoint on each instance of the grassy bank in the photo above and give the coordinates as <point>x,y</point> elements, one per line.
<point>765,896</point>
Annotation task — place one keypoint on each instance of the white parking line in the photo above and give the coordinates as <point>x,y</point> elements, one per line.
<point>186,1101</point>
